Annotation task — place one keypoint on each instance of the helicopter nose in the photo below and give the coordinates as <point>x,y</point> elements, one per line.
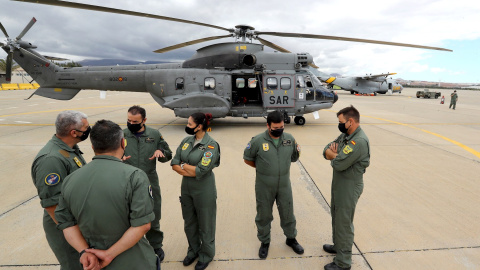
<point>335,97</point>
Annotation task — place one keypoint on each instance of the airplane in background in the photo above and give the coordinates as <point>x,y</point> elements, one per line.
<point>368,84</point>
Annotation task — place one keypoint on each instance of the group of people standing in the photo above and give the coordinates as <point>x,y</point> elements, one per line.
<point>106,214</point>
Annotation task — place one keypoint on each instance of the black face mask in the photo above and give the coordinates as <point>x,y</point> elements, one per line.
<point>342,128</point>
<point>276,132</point>
<point>134,128</point>
<point>191,131</point>
<point>85,134</point>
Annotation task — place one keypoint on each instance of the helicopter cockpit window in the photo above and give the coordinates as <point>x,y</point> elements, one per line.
<point>252,83</point>
<point>179,84</point>
<point>300,82</point>
<point>272,83</point>
<point>209,83</point>
<point>240,83</point>
<point>285,83</point>
<point>308,82</point>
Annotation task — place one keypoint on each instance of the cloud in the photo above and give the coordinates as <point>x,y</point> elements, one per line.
<point>90,34</point>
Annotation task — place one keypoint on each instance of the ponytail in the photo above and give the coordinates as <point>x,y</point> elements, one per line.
<point>202,119</point>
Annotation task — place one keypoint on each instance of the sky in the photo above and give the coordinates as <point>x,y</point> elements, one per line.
<point>82,34</point>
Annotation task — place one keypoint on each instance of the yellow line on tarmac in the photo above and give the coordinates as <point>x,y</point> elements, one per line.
<point>474,152</point>
<point>74,109</point>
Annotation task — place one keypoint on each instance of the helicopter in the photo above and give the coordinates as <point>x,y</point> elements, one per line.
<point>367,84</point>
<point>237,79</point>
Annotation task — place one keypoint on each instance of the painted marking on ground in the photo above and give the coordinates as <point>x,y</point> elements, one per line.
<point>466,148</point>
<point>75,109</point>
<point>23,122</point>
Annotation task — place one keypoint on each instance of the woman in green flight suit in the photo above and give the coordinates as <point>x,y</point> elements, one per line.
<point>195,158</point>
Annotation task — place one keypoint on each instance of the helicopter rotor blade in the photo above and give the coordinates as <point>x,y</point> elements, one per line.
<point>3,30</point>
<point>273,45</point>
<point>8,68</point>
<point>25,30</point>
<point>117,11</point>
<point>188,43</point>
<point>299,35</point>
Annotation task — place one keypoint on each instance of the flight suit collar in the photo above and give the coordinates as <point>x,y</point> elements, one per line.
<point>64,146</point>
<point>205,140</point>
<point>349,137</point>
<point>107,157</point>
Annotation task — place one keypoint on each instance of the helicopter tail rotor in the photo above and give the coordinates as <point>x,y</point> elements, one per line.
<point>12,45</point>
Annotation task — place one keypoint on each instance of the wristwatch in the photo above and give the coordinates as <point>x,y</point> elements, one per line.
<point>181,165</point>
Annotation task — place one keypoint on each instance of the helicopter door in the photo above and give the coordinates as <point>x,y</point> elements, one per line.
<point>278,91</point>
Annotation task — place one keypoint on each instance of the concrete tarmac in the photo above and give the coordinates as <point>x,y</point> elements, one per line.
<point>419,208</point>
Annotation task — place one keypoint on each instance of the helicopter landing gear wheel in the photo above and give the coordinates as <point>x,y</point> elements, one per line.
<point>286,118</point>
<point>299,120</point>
<point>352,92</point>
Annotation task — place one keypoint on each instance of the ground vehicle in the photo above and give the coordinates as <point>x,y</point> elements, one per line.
<point>428,94</point>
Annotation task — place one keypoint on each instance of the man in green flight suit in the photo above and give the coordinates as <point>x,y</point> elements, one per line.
<point>453,99</point>
<point>350,156</point>
<point>57,159</point>
<point>271,154</point>
<point>106,208</point>
<point>144,146</point>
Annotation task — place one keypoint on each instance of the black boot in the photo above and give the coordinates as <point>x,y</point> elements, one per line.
<point>200,265</point>
<point>189,260</point>
<point>160,253</point>
<point>333,266</point>
<point>329,248</point>
<point>292,242</point>
<point>263,251</point>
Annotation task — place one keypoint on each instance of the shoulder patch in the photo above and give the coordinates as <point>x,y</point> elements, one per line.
<point>208,154</point>
<point>248,146</point>
<point>52,179</point>
<point>211,146</point>
<point>206,161</point>
<point>185,146</point>
<point>347,149</point>
<point>150,191</point>
<point>64,153</point>
<point>353,142</point>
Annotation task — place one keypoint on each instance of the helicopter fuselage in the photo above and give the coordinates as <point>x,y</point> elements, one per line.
<point>230,79</point>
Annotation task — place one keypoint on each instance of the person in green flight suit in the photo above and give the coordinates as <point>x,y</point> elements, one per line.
<point>58,158</point>
<point>195,158</point>
<point>453,99</point>
<point>271,154</point>
<point>106,207</point>
<point>144,146</point>
<point>349,156</point>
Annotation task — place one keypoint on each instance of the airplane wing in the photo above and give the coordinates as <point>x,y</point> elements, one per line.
<point>375,76</point>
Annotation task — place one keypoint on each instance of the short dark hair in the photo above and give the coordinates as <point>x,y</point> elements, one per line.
<point>350,112</point>
<point>135,109</point>
<point>275,117</point>
<point>105,136</point>
<point>202,119</point>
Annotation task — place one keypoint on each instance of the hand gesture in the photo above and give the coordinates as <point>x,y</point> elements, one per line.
<point>157,154</point>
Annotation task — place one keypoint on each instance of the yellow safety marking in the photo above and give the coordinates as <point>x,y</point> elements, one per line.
<point>57,89</point>
<point>476,153</point>
<point>331,79</point>
<point>74,109</point>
